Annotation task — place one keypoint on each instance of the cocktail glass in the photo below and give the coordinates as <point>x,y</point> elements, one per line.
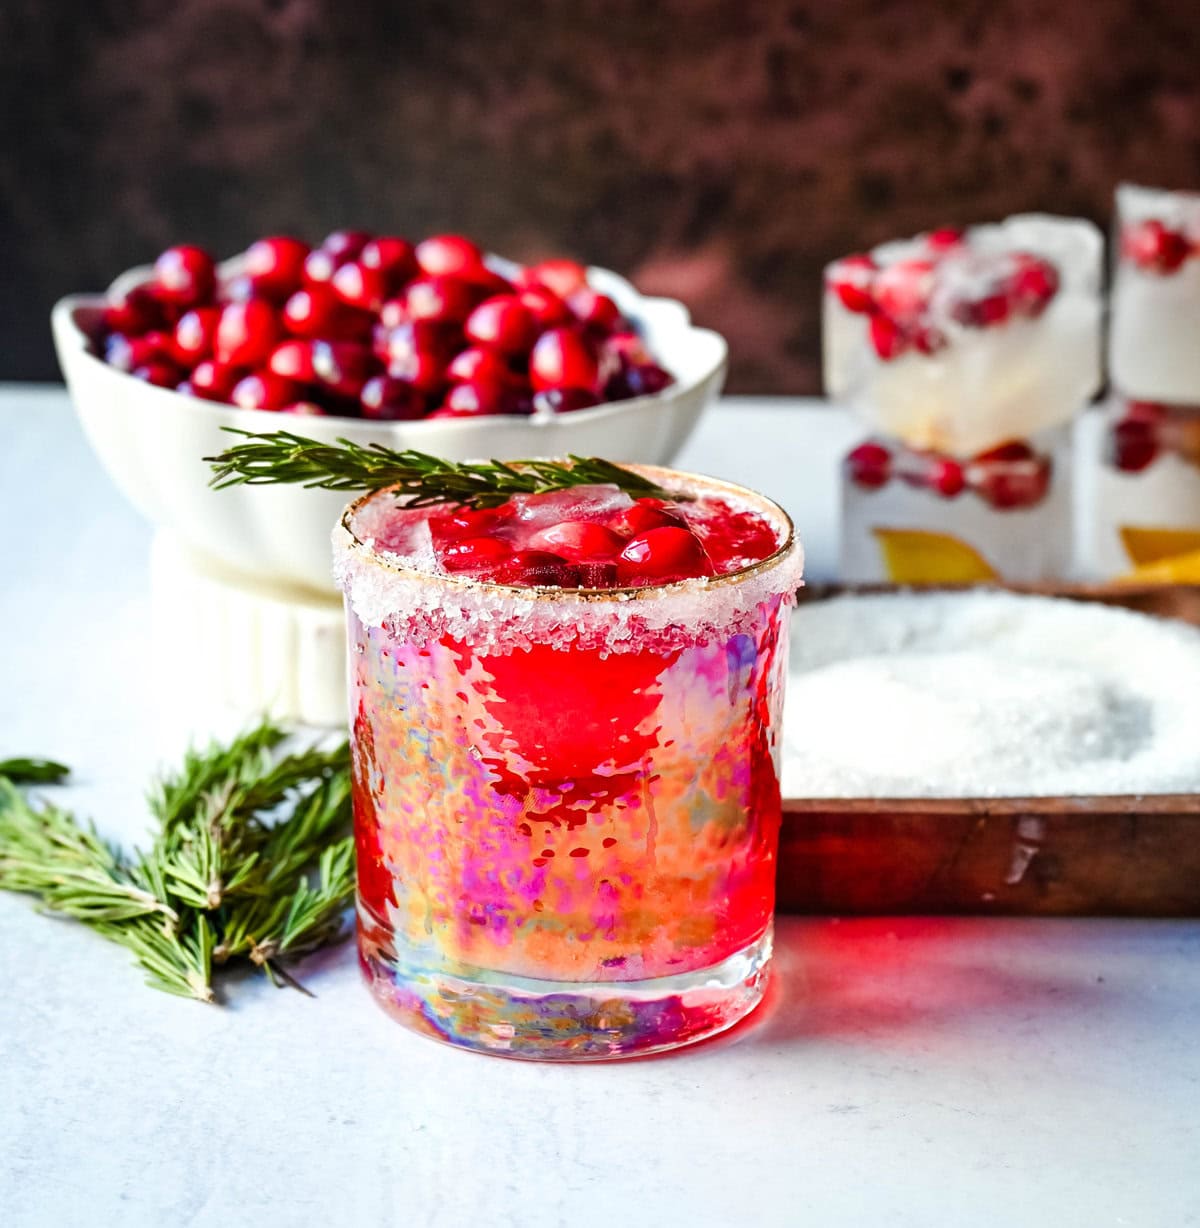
<point>566,800</point>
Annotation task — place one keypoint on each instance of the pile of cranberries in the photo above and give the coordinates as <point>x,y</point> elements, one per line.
<point>377,327</point>
<point>1007,478</point>
<point>579,539</point>
<point>1155,247</point>
<point>896,297</point>
<point>1147,429</point>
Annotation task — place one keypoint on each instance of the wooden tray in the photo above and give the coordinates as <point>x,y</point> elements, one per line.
<point>1104,856</point>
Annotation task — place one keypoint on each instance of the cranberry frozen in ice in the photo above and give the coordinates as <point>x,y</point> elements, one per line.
<point>1146,495</point>
<point>967,353</point>
<point>1155,314</point>
<point>467,335</point>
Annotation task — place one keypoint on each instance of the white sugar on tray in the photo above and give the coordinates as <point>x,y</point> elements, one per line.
<point>988,694</point>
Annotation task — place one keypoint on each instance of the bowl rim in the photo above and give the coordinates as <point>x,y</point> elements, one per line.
<point>67,329</point>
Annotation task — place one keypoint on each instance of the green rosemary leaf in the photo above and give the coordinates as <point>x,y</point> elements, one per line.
<point>245,758</point>
<point>251,859</point>
<point>280,457</point>
<point>33,771</point>
<point>47,853</point>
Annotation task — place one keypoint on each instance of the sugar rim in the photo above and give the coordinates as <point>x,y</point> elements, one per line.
<point>367,552</point>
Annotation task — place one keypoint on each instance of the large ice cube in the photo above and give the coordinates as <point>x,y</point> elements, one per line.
<point>590,503</point>
<point>1154,341</point>
<point>947,352</point>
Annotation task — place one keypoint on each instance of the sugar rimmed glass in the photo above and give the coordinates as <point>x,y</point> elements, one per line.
<point>566,801</point>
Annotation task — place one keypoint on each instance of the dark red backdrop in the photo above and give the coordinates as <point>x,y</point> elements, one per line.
<point>720,150</point>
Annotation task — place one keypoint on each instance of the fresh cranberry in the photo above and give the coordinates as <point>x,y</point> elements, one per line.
<point>314,311</point>
<point>214,381</point>
<point>578,539</point>
<point>246,333</point>
<point>420,353</point>
<point>475,398</point>
<point>345,245</point>
<point>1033,285</point>
<point>305,409</point>
<point>944,239</point>
<point>467,522</point>
<point>1146,411</point>
<point>850,279</point>
<point>1154,247</point>
<point>667,553</point>
<point>395,258</point>
<point>275,266</point>
<point>902,290</point>
<point>185,275</point>
<point>563,400</point>
<point>536,567</point>
<point>293,360</point>
<point>449,256</point>
<point>359,286</point>
<point>503,324</point>
<point>126,353</point>
<point>394,312</point>
<point>264,390</point>
<point>1013,451</point>
<point>628,348</point>
<point>545,306</point>
<point>343,366</point>
<point>425,370</point>
<point>869,465</point>
<point>887,337</point>
<point>471,552</point>
<point>477,363</point>
<point>239,289</point>
<point>596,573</point>
<point>159,372</point>
<point>562,359</point>
<point>1132,445</point>
<point>195,334</point>
<point>1011,484</point>
<point>597,311</point>
<point>945,476</point>
<point>647,379</point>
<point>562,276</point>
<point>387,399</point>
<point>134,312</point>
<point>645,514</point>
<point>320,266</point>
<point>444,300</point>
<point>983,312</point>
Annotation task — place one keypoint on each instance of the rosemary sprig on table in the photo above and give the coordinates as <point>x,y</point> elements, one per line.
<point>280,458</point>
<point>33,771</point>
<point>225,879</point>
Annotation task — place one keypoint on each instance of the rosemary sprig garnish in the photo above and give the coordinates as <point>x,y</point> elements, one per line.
<point>281,458</point>
<point>226,877</point>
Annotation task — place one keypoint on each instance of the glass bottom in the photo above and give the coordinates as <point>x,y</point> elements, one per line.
<point>569,1021</point>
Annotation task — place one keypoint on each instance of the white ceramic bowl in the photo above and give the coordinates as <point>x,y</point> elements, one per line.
<point>151,440</point>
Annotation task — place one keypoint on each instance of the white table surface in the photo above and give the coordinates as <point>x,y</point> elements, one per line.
<point>905,1072</point>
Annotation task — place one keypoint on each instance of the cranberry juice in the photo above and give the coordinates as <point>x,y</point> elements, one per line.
<point>566,714</point>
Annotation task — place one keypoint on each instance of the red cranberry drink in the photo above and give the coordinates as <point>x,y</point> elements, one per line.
<point>566,727</point>
<point>967,352</point>
<point>1153,354</point>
